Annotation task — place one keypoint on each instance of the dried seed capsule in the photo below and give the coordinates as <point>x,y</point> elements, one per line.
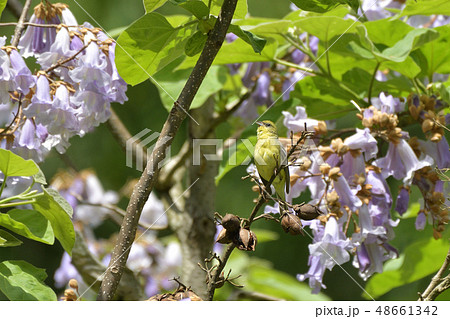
<point>231,222</point>
<point>307,211</point>
<point>247,240</point>
<point>291,224</point>
<point>224,237</point>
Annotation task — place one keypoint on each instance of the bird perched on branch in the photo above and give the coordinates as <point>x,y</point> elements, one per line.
<point>270,157</point>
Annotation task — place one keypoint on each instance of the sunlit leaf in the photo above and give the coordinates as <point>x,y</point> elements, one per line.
<point>22,281</point>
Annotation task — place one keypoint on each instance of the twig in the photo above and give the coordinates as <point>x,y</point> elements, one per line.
<point>372,80</point>
<point>437,284</point>
<point>20,24</point>
<point>62,62</point>
<point>38,25</point>
<point>149,177</point>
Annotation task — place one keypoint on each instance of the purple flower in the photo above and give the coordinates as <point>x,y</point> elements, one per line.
<point>329,249</point>
<point>439,151</point>
<point>363,141</point>
<point>262,94</point>
<point>314,274</point>
<point>401,162</point>
<point>65,272</point>
<point>296,123</point>
<point>388,104</point>
<point>60,49</point>
<point>402,200</point>
<point>22,75</point>
<point>41,102</point>
<point>421,221</point>
<point>346,195</point>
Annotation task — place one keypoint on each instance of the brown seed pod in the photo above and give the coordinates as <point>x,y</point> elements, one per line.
<point>291,224</point>
<point>307,211</point>
<point>73,283</point>
<point>231,222</point>
<point>224,237</point>
<point>247,240</point>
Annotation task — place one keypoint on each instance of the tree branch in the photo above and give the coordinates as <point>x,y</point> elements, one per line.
<point>437,284</point>
<point>148,179</point>
<point>20,25</point>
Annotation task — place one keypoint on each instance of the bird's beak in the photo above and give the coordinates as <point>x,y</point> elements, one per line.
<point>259,123</point>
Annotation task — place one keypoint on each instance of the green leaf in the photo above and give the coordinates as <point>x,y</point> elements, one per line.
<point>22,281</point>
<point>320,6</point>
<point>436,53</point>
<point>413,40</point>
<point>256,42</point>
<point>322,98</point>
<point>2,6</point>
<point>173,82</point>
<point>327,28</point>
<point>197,8</point>
<point>426,7</point>
<point>39,177</point>
<point>28,223</point>
<point>151,5</point>
<point>14,165</point>
<point>239,13</point>
<point>420,259</point>
<point>53,206</point>
<point>237,52</point>
<point>8,240</point>
<point>195,43</point>
<point>148,45</point>
<point>278,284</point>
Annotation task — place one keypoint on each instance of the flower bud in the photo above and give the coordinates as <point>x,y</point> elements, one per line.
<point>291,224</point>
<point>69,295</point>
<point>73,283</point>
<point>231,222</point>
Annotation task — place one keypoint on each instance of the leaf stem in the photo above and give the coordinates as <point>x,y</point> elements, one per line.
<point>372,80</point>
<point>295,66</point>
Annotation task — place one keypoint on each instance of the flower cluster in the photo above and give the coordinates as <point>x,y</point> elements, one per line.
<point>153,262</point>
<point>347,182</point>
<point>69,95</point>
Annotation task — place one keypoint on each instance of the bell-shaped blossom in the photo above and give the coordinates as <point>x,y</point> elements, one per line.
<point>439,151</point>
<point>296,123</point>
<point>41,102</point>
<point>326,252</point>
<point>314,274</point>
<point>388,104</point>
<point>94,194</point>
<point>401,162</point>
<point>347,197</point>
<point>59,50</point>
<point>401,205</point>
<point>421,221</point>
<point>364,141</point>
<point>22,75</point>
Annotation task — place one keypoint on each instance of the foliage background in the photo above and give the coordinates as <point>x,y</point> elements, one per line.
<point>100,152</point>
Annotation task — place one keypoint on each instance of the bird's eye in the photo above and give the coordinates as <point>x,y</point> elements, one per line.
<point>267,124</point>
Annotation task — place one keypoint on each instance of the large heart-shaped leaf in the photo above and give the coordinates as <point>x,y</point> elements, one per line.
<point>22,281</point>
<point>28,223</point>
<point>58,212</point>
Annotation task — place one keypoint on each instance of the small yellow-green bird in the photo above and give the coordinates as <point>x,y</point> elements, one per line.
<point>270,156</point>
